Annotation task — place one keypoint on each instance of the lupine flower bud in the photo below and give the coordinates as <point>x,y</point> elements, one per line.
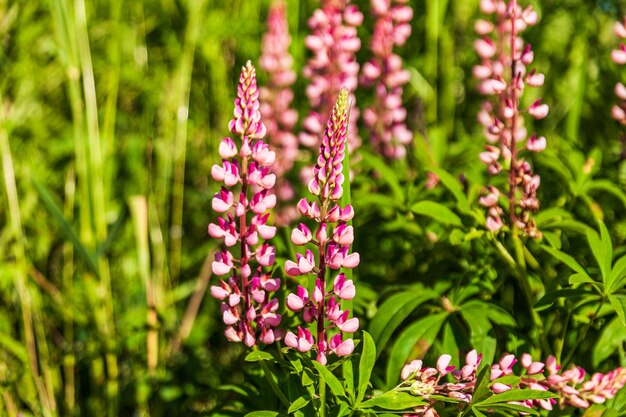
<point>536,144</point>
<point>619,55</point>
<point>538,110</point>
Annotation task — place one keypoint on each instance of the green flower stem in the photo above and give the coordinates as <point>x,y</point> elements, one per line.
<point>322,410</point>
<point>519,272</point>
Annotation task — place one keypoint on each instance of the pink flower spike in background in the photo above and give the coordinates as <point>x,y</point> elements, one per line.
<point>331,241</point>
<point>503,73</point>
<point>385,119</point>
<point>247,308</point>
<point>276,98</point>
<point>618,111</point>
<point>333,43</point>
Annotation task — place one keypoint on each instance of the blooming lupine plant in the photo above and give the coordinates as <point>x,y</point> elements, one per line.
<point>243,203</point>
<point>503,73</point>
<point>276,100</point>
<point>332,241</point>
<point>386,118</point>
<point>333,43</point>
<point>571,387</point>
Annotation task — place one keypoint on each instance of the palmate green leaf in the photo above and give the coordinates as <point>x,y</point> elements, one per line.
<point>436,211</point>
<point>481,390</point>
<point>606,186</point>
<point>424,330</point>
<point>265,414</point>
<point>601,411</point>
<point>618,275</point>
<point>330,379</point>
<point>548,215</point>
<point>570,293</point>
<point>613,335</point>
<point>347,369</point>
<point>387,174</point>
<point>299,403</point>
<point>618,301</point>
<point>477,412</point>
<point>602,250</point>
<point>476,318</point>
<point>393,400</point>
<point>508,407</point>
<point>556,164</point>
<point>379,201</point>
<point>568,225</point>
<point>495,313</point>
<point>578,278</point>
<point>258,355</point>
<point>393,312</point>
<point>566,259</point>
<point>444,399</point>
<point>512,380</point>
<point>343,410</point>
<point>366,365</point>
<point>453,184</point>
<point>618,403</point>
<point>65,227</point>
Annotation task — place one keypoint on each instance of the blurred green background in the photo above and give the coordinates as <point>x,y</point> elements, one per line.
<point>110,116</point>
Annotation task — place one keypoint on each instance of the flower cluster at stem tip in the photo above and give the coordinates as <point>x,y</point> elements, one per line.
<point>331,240</point>
<point>243,203</point>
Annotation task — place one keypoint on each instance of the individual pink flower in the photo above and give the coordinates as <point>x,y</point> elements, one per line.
<point>333,43</point>
<point>331,240</point>
<point>503,73</point>
<point>385,119</point>
<point>247,309</point>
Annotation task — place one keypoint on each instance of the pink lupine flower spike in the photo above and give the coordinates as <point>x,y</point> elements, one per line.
<point>247,309</point>
<point>502,72</point>
<point>276,98</point>
<point>384,72</point>
<point>332,241</point>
